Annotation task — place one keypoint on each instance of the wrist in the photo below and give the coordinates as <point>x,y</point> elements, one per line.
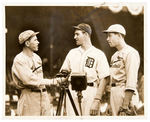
<point>56,81</point>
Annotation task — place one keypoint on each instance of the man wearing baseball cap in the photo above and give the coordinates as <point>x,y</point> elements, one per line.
<point>27,75</point>
<point>123,72</point>
<point>89,60</point>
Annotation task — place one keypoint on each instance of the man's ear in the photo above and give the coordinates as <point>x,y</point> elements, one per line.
<point>86,33</point>
<point>27,43</point>
<point>120,35</point>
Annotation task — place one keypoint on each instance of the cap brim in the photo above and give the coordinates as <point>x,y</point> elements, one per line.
<point>105,31</point>
<point>35,33</point>
<point>76,27</point>
<point>108,31</point>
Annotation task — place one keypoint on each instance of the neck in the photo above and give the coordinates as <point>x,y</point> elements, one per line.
<point>27,51</point>
<point>86,45</point>
<point>121,45</point>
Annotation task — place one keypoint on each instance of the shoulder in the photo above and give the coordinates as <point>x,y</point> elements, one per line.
<point>74,51</point>
<point>37,58</point>
<point>19,57</point>
<point>130,50</point>
<point>98,51</point>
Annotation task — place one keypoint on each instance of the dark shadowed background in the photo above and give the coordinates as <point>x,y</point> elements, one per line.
<point>56,32</point>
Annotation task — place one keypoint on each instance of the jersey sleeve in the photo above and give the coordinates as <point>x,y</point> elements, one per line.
<point>132,66</point>
<point>66,63</point>
<point>25,74</point>
<point>102,67</point>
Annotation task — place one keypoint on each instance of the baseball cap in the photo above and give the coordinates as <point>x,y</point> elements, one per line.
<point>84,27</point>
<point>117,28</point>
<point>26,35</point>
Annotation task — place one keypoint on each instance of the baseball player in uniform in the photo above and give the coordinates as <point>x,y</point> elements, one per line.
<point>85,59</point>
<point>123,72</point>
<point>27,75</point>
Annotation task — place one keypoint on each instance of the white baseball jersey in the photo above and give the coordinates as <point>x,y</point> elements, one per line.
<point>27,73</point>
<point>124,67</point>
<point>124,71</point>
<point>93,62</point>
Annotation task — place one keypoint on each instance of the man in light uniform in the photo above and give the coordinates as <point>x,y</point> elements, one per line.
<point>85,59</point>
<point>123,72</point>
<point>27,75</point>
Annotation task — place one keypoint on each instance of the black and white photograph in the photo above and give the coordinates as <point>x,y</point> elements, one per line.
<point>76,60</point>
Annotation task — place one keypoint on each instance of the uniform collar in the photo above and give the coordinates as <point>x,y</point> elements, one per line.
<point>81,50</point>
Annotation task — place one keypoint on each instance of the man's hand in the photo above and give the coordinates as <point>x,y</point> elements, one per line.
<point>126,112</point>
<point>95,108</point>
<point>61,80</point>
<point>122,111</point>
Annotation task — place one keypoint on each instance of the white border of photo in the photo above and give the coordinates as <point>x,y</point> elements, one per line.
<point>4,3</point>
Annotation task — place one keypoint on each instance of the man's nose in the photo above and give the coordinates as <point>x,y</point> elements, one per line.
<point>75,36</point>
<point>38,42</point>
<point>107,39</point>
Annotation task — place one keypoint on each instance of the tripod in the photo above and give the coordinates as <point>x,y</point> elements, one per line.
<point>78,83</point>
<point>64,89</point>
<point>79,94</point>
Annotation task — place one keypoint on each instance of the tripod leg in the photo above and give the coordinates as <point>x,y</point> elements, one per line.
<point>72,102</point>
<point>64,111</point>
<point>59,107</point>
<point>80,108</point>
<point>79,94</point>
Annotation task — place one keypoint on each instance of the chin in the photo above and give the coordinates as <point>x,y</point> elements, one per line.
<point>35,50</point>
<point>111,45</point>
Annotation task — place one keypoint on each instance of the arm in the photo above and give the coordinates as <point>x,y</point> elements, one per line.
<point>66,64</point>
<point>132,66</point>
<point>26,76</point>
<point>127,98</point>
<point>101,88</point>
<point>103,73</point>
<point>97,100</point>
<point>124,109</point>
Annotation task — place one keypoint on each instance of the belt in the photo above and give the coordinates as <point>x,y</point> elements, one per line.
<point>117,84</point>
<point>90,84</point>
<point>38,90</point>
<point>113,84</point>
